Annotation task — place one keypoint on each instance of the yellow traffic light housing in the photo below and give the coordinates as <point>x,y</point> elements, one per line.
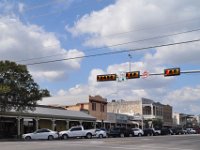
<point>172,72</point>
<point>107,77</point>
<point>133,75</point>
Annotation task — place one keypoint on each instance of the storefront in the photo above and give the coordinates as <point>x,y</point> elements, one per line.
<point>13,124</point>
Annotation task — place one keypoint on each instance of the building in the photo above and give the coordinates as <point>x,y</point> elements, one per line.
<point>97,107</point>
<point>121,120</point>
<point>167,116</point>
<point>145,108</point>
<point>14,123</point>
<point>185,120</point>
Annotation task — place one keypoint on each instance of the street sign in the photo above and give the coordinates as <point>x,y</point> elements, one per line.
<point>145,74</point>
<point>121,76</point>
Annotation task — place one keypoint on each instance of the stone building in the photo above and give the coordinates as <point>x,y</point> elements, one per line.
<point>185,120</point>
<point>146,108</point>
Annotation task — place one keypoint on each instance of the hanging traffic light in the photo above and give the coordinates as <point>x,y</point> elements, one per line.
<point>106,77</point>
<point>133,75</point>
<point>172,72</point>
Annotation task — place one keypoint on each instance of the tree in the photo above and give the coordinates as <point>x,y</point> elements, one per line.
<point>18,91</point>
<point>45,93</point>
<point>157,123</point>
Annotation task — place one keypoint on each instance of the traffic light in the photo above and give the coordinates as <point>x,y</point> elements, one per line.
<point>133,75</point>
<point>172,72</point>
<point>107,77</point>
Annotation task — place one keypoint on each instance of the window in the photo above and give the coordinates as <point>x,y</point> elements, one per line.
<point>42,130</point>
<point>93,106</point>
<point>102,108</point>
<point>76,129</point>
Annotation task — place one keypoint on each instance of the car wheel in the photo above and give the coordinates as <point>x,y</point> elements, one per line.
<point>50,137</point>
<point>64,136</point>
<point>27,138</point>
<point>89,136</point>
<point>139,134</point>
<point>100,136</point>
<point>122,135</point>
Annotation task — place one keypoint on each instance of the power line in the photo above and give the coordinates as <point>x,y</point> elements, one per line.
<point>56,12</point>
<point>42,5</point>
<point>152,38</point>
<point>116,52</point>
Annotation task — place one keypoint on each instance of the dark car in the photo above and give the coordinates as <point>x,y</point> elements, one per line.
<point>148,132</point>
<point>178,131</point>
<point>166,131</point>
<point>120,132</point>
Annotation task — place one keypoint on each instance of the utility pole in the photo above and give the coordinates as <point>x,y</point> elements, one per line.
<point>130,57</point>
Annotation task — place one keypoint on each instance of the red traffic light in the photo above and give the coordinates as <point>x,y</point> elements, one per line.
<point>172,72</point>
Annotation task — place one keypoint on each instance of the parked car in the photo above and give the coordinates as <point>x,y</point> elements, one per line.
<point>77,131</point>
<point>156,131</point>
<point>120,132</point>
<point>178,131</point>
<point>166,131</point>
<point>148,132</point>
<point>41,134</point>
<point>191,131</point>
<point>100,133</point>
<point>137,132</point>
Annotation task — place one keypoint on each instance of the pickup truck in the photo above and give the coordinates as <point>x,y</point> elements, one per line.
<point>77,131</point>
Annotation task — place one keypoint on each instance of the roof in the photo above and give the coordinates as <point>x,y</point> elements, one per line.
<point>64,100</point>
<point>53,113</point>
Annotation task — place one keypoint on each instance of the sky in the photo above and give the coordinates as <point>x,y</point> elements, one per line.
<point>40,31</point>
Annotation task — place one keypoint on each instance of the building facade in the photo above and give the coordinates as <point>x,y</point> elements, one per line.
<point>145,108</point>
<point>14,124</point>
<point>97,107</point>
<point>185,120</point>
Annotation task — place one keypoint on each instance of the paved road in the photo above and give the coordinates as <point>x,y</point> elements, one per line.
<point>180,142</point>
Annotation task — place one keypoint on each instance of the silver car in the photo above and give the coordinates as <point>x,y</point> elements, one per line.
<point>44,133</point>
<point>100,133</point>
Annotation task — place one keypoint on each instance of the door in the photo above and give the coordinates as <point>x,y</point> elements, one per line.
<point>76,132</point>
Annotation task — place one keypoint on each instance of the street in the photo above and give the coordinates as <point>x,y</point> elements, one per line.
<point>178,142</point>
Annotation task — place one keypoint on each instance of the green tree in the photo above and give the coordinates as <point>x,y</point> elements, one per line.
<point>18,90</point>
<point>45,93</point>
<point>157,123</point>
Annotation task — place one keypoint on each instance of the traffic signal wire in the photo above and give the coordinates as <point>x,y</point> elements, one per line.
<point>181,72</point>
<point>115,52</point>
<point>115,45</point>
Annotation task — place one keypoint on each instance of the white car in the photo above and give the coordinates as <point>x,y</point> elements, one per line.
<point>100,133</point>
<point>137,131</point>
<point>41,134</point>
<point>77,131</point>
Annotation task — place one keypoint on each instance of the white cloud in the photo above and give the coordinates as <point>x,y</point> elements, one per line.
<point>186,94</point>
<point>186,98</point>
<point>21,7</point>
<point>19,41</point>
<point>147,18</point>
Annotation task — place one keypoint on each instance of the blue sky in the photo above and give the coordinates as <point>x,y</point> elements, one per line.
<point>62,29</point>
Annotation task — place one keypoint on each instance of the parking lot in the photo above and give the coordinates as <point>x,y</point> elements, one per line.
<point>175,142</point>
